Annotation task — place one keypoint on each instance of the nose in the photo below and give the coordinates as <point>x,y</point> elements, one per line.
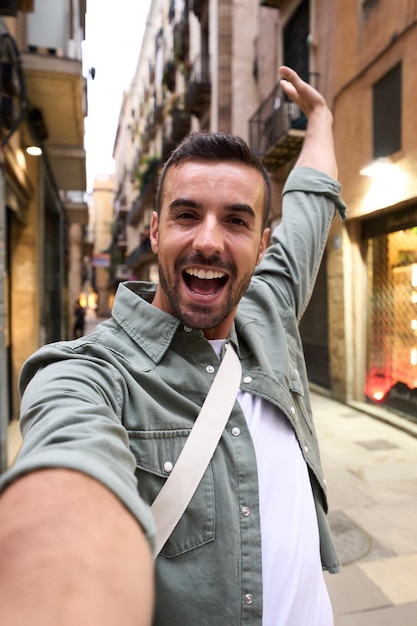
<point>208,237</point>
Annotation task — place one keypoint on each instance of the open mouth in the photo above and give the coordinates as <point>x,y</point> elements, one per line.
<point>204,282</point>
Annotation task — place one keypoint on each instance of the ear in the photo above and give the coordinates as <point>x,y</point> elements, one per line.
<point>154,233</point>
<point>263,245</point>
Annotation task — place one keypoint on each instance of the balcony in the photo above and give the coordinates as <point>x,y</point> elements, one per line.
<point>181,40</point>
<point>169,75</point>
<point>56,88</point>
<point>11,7</point>
<point>175,132</point>
<point>148,179</point>
<point>142,255</point>
<point>199,6</point>
<point>171,11</point>
<point>150,128</point>
<point>76,207</point>
<point>154,119</point>
<point>181,124</point>
<point>272,4</point>
<point>159,113</point>
<point>277,129</point>
<point>198,94</point>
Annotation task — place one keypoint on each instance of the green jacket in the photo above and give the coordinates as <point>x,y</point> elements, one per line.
<point>125,397</point>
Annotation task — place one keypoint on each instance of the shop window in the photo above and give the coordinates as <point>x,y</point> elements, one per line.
<point>386,100</point>
<point>392,317</point>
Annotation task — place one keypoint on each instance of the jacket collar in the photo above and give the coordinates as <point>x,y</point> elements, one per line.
<point>152,329</point>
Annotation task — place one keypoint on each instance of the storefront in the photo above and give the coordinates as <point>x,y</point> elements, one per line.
<point>391,368</point>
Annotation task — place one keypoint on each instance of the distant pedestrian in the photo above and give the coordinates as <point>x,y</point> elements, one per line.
<point>79,321</point>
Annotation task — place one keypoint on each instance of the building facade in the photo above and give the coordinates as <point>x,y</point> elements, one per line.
<point>103,227</point>
<point>373,95</point>
<point>213,65</point>
<point>43,213</point>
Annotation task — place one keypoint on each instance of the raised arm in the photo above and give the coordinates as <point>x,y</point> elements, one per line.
<point>318,147</point>
<point>311,197</point>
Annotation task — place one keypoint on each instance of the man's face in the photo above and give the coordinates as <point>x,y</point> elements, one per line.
<point>208,238</point>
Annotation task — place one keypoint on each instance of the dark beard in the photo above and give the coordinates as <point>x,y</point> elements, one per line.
<point>200,316</point>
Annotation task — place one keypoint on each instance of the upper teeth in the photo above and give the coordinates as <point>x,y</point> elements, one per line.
<point>208,275</point>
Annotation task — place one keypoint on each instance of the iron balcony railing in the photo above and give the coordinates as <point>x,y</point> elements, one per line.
<point>277,128</point>
<point>198,7</point>
<point>197,97</point>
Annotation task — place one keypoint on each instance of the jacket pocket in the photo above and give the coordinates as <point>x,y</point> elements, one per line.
<point>156,452</point>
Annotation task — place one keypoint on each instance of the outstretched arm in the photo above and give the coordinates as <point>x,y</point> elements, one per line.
<point>71,554</point>
<point>318,147</point>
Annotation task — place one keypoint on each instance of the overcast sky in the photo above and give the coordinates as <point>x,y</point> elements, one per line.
<point>114,32</point>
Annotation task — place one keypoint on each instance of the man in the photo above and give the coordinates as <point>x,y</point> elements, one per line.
<point>78,328</point>
<point>116,406</point>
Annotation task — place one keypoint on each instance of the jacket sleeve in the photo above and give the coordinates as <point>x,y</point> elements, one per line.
<point>290,266</point>
<point>70,418</point>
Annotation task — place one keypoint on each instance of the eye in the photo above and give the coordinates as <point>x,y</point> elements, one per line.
<point>185,216</point>
<point>237,221</point>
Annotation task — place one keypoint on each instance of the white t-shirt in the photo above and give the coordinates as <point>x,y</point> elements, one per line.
<point>294,590</point>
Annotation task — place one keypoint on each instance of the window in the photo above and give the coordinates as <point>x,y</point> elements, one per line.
<point>367,6</point>
<point>296,31</point>
<point>386,101</point>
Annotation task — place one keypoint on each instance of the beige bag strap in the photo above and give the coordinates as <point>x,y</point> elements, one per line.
<point>178,489</point>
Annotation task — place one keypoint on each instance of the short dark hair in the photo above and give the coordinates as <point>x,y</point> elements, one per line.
<point>216,147</point>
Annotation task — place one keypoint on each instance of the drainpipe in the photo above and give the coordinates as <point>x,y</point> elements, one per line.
<point>4,379</point>
<point>214,63</point>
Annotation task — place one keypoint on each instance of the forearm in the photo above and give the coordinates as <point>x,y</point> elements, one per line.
<point>71,554</point>
<point>318,147</point>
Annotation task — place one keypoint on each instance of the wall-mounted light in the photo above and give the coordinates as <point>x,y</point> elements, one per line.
<point>377,167</point>
<point>38,131</point>
<point>33,150</point>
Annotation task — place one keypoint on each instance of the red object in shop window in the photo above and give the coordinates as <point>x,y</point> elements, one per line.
<point>377,386</point>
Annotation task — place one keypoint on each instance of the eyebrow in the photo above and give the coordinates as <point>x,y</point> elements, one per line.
<point>242,208</point>
<point>237,208</point>
<point>184,202</point>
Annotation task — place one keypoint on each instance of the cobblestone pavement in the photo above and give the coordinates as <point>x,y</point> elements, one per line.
<point>371,472</point>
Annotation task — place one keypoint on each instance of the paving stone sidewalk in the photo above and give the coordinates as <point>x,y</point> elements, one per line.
<point>371,472</point>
